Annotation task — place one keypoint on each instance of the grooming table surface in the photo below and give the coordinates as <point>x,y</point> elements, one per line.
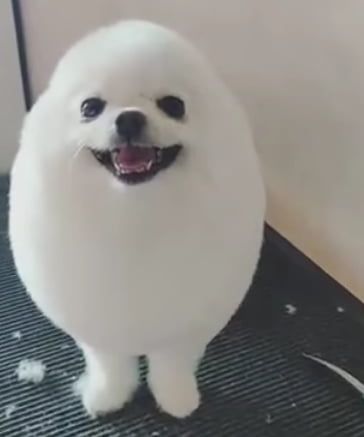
<point>254,379</point>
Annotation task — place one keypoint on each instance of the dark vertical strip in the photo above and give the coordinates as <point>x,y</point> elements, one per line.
<point>19,29</point>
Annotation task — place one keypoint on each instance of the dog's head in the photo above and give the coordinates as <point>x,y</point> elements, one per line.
<point>136,101</point>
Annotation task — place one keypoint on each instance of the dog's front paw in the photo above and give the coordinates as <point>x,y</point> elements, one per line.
<point>100,398</point>
<point>177,396</point>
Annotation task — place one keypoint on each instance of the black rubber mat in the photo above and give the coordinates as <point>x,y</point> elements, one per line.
<point>254,379</point>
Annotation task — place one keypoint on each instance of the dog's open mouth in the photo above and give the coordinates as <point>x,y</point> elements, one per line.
<point>133,164</point>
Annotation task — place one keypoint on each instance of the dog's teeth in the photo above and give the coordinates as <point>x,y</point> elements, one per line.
<point>120,170</point>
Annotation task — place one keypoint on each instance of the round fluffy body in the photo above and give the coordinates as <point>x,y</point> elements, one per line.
<point>135,268</point>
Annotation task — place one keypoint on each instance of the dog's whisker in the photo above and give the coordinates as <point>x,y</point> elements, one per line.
<point>74,157</point>
<point>72,162</point>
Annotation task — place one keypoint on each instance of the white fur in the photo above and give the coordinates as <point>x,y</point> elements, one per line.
<point>31,371</point>
<point>155,269</point>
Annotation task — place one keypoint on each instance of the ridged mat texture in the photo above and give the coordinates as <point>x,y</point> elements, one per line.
<point>254,379</point>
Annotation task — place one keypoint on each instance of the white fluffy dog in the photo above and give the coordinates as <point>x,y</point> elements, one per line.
<point>136,210</point>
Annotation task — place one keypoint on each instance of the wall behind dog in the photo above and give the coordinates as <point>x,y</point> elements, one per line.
<point>11,92</point>
<point>299,68</point>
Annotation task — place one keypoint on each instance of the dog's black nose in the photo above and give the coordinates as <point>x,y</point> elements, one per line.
<point>130,124</point>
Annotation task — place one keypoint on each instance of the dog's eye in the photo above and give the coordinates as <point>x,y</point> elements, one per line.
<point>173,106</point>
<point>92,107</point>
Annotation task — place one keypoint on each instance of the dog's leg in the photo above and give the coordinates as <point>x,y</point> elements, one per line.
<point>108,382</point>
<point>173,381</point>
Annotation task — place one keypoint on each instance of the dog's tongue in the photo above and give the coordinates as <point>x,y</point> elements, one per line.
<point>134,158</point>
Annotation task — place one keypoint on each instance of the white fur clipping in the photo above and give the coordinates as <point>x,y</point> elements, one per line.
<point>291,310</point>
<point>9,410</point>
<point>31,371</point>
<point>17,335</point>
<point>359,386</point>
